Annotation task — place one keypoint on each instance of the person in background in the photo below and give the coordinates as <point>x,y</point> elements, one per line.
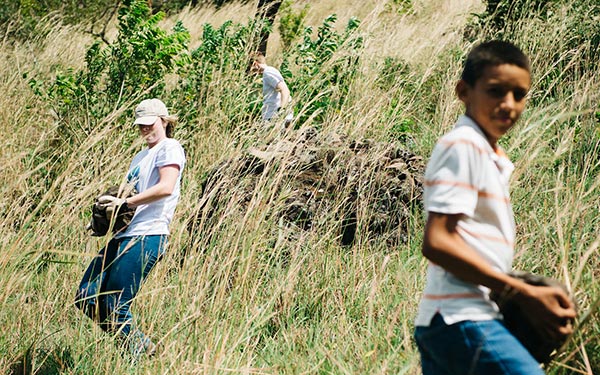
<point>469,235</point>
<point>276,95</point>
<point>115,275</point>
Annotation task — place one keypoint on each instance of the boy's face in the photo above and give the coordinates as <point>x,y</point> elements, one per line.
<point>255,68</point>
<point>497,99</point>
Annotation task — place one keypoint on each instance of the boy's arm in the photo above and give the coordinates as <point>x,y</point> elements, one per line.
<point>443,246</point>
<point>285,93</point>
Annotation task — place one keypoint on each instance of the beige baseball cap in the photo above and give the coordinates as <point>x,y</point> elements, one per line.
<point>149,110</point>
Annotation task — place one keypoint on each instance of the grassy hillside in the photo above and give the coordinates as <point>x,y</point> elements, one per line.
<point>248,296</point>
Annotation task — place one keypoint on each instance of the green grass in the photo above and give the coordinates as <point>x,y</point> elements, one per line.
<point>252,296</point>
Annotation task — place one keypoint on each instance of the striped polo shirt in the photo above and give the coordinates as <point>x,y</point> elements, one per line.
<point>466,176</point>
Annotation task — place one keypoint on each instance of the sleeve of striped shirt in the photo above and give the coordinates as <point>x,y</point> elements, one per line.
<point>452,178</point>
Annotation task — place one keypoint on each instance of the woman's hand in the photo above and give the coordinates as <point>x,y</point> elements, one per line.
<point>111,204</point>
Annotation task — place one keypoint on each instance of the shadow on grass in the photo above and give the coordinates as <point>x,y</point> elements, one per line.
<point>42,362</point>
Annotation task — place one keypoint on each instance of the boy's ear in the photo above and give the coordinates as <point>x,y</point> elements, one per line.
<point>462,90</point>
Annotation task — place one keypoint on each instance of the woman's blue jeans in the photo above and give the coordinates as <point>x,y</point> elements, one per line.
<point>113,279</point>
<point>472,348</point>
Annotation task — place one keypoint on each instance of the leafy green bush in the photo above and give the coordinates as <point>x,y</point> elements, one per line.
<point>215,80</point>
<point>219,62</point>
<point>323,65</point>
<point>211,78</point>
<point>114,75</point>
<point>499,13</point>
<point>20,19</point>
<point>291,24</point>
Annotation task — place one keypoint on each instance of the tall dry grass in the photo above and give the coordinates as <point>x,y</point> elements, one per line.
<point>249,296</point>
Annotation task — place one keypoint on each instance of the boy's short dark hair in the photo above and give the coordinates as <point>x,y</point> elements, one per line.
<point>492,53</point>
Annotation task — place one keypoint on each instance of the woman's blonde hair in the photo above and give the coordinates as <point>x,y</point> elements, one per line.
<point>171,123</point>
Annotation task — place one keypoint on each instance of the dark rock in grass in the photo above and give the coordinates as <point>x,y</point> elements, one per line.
<point>309,180</point>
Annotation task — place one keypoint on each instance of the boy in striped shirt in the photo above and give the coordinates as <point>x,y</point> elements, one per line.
<point>470,232</point>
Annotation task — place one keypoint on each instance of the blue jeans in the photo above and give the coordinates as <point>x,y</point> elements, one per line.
<point>472,348</point>
<point>113,279</point>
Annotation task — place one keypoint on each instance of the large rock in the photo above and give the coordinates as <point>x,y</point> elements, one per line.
<point>314,180</point>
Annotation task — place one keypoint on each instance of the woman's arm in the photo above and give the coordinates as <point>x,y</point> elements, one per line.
<point>443,246</point>
<point>167,179</point>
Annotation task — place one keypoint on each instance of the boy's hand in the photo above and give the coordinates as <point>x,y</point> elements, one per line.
<point>538,311</point>
<point>549,309</point>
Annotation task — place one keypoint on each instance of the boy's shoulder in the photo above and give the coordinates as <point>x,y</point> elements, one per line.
<point>271,69</point>
<point>466,132</point>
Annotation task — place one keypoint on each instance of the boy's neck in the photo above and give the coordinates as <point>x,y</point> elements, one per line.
<point>492,141</point>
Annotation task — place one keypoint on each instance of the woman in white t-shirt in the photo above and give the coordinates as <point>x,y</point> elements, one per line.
<point>113,278</point>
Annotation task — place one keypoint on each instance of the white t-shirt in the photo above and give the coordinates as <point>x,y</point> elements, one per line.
<point>271,97</point>
<point>154,218</point>
<point>466,176</point>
